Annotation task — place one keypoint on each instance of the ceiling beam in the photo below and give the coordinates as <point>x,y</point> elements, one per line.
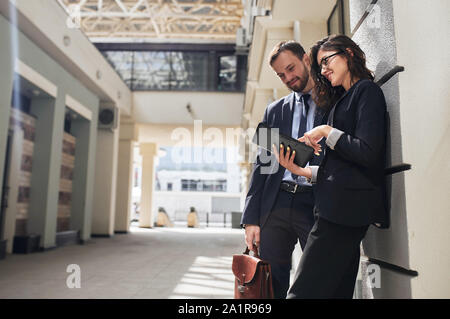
<point>157,19</point>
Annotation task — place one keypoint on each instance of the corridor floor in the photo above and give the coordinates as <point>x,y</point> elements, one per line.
<point>161,263</point>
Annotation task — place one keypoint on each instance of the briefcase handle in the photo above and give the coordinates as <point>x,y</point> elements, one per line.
<point>254,249</point>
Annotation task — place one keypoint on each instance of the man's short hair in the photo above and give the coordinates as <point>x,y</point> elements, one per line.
<point>292,46</point>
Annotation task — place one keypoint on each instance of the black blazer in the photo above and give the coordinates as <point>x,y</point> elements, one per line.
<point>350,187</point>
<point>267,174</point>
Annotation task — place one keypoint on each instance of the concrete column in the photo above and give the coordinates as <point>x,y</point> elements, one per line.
<point>148,152</point>
<point>246,171</point>
<point>105,182</point>
<point>233,174</point>
<point>45,175</point>
<point>128,134</point>
<point>13,182</point>
<point>6,86</point>
<point>83,183</point>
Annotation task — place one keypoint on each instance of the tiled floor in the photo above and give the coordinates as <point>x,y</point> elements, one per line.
<point>163,263</point>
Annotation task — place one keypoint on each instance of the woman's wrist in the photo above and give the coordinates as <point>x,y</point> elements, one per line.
<point>326,129</point>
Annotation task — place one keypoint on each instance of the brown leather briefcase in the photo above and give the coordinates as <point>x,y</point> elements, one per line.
<point>253,278</point>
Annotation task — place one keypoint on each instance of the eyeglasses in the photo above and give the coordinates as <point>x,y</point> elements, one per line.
<point>325,60</point>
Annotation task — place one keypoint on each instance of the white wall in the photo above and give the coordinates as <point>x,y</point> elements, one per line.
<point>423,48</point>
<point>179,202</point>
<point>170,107</point>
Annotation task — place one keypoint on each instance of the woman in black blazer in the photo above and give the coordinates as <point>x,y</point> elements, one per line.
<point>350,182</point>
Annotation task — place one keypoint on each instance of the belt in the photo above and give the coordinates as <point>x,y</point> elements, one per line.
<point>294,188</point>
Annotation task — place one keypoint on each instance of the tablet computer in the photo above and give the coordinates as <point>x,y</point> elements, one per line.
<point>265,136</point>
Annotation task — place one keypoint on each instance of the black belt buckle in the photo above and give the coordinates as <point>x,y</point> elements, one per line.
<point>294,188</point>
<point>290,188</point>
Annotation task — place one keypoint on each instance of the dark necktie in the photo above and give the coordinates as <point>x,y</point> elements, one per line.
<point>303,121</point>
<point>303,115</point>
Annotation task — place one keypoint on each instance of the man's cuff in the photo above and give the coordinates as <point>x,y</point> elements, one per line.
<point>313,178</point>
<point>333,138</point>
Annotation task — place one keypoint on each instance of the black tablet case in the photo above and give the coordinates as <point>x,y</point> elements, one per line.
<point>265,136</point>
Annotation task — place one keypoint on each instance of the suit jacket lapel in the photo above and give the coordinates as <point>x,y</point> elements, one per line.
<point>330,121</point>
<point>288,111</point>
<point>285,127</point>
<point>333,110</point>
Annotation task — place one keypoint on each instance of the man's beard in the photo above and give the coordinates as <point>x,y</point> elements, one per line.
<point>301,84</point>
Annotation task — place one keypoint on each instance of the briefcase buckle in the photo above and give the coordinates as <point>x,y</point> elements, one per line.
<point>295,188</point>
<point>241,289</point>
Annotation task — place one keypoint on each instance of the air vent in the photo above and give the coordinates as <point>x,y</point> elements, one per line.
<point>107,118</point>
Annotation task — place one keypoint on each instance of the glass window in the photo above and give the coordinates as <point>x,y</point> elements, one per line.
<point>221,186</point>
<point>204,185</point>
<point>184,185</point>
<point>339,19</point>
<point>227,73</point>
<point>163,70</point>
<point>178,70</point>
<point>190,71</point>
<point>189,185</point>
<point>122,62</point>
<point>151,71</point>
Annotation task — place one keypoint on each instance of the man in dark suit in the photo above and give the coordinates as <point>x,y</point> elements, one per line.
<point>278,209</point>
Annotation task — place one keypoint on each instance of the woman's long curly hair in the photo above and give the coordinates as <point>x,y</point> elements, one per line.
<point>326,94</point>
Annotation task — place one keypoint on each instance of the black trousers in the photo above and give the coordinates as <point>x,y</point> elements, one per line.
<point>290,220</point>
<point>330,261</point>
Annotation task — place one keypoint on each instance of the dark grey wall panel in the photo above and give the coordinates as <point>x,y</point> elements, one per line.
<point>357,8</point>
<point>391,93</point>
<point>391,245</point>
<point>378,42</point>
<point>391,285</point>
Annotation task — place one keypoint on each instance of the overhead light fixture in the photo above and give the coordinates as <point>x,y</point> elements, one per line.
<point>66,40</point>
<point>190,111</point>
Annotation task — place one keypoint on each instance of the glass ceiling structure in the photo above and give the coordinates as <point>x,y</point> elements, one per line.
<point>203,56</point>
<point>156,19</point>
